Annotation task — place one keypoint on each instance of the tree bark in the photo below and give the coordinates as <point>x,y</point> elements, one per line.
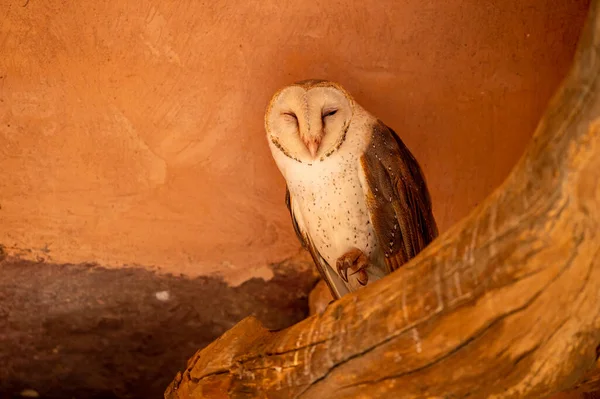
<point>506,304</point>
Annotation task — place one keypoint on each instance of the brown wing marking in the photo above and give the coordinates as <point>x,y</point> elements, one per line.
<point>397,198</point>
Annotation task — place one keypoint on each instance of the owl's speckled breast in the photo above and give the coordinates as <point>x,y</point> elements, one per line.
<point>332,202</point>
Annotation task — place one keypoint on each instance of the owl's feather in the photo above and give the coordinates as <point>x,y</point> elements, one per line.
<point>397,197</point>
<point>335,284</point>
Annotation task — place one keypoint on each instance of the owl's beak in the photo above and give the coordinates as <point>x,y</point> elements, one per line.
<point>313,146</point>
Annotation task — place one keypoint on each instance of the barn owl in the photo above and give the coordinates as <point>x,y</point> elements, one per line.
<point>356,195</point>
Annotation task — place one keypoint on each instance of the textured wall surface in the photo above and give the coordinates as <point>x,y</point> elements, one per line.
<point>131,133</point>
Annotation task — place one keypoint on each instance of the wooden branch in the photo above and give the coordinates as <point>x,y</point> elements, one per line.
<point>590,382</point>
<point>504,305</point>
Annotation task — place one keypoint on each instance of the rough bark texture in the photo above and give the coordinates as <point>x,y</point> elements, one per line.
<point>503,305</point>
<point>590,384</point>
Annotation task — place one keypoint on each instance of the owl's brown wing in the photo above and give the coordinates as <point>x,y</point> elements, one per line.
<point>397,198</point>
<point>334,282</point>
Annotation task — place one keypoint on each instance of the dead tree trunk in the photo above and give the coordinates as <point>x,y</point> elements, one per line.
<point>504,305</point>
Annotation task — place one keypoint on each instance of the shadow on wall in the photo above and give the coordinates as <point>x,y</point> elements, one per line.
<point>86,332</point>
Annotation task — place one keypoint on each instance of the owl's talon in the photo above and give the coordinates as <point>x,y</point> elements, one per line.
<point>363,277</point>
<point>356,261</point>
<point>342,269</point>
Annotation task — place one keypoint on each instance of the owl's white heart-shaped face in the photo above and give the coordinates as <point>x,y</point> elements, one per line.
<point>308,121</point>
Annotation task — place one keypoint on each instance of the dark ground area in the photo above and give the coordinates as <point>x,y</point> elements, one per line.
<point>87,332</point>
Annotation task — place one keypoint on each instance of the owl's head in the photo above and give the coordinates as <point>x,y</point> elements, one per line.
<point>308,120</point>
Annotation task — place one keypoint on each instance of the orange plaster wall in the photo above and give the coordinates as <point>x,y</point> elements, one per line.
<point>132,132</point>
